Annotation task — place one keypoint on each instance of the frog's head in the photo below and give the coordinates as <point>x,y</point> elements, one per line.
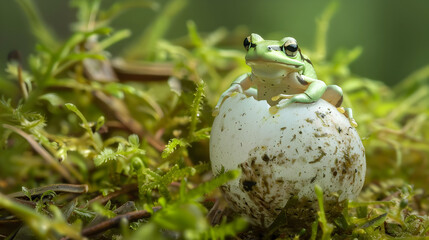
<point>272,59</point>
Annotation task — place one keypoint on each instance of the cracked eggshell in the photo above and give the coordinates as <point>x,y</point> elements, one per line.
<point>285,155</point>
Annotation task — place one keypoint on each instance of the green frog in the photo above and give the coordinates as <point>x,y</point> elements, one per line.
<point>281,74</point>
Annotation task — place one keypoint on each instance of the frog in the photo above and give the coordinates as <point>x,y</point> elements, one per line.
<point>281,74</point>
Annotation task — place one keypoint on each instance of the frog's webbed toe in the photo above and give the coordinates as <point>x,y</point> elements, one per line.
<point>341,110</point>
<point>349,114</point>
<point>215,111</point>
<point>353,122</point>
<point>289,99</point>
<point>282,104</point>
<point>281,96</point>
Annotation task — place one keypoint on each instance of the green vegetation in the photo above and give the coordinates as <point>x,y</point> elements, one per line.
<point>101,147</point>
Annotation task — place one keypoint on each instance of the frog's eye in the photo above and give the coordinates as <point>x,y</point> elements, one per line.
<point>247,43</point>
<point>290,48</point>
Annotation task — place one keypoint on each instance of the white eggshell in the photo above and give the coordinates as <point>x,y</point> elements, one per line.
<point>285,155</point>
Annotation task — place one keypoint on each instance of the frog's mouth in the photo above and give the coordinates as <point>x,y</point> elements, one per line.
<point>273,70</point>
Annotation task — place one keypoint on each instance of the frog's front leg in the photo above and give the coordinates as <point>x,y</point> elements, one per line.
<point>313,92</point>
<point>241,85</point>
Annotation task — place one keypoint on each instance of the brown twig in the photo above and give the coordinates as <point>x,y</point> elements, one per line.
<point>66,188</point>
<point>24,202</point>
<point>15,56</point>
<point>114,222</point>
<point>45,155</point>
<point>103,199</point>
<point>120,110</point>
<point>145,72</point>
<point>103,71</point>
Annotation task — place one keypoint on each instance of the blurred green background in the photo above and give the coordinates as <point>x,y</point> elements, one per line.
<point>394,34</point>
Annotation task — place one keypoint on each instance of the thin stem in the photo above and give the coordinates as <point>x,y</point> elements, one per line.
<point>114,222</point>
<point>22,83</point>
<point>45,155</point>
<point>67,188</point>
